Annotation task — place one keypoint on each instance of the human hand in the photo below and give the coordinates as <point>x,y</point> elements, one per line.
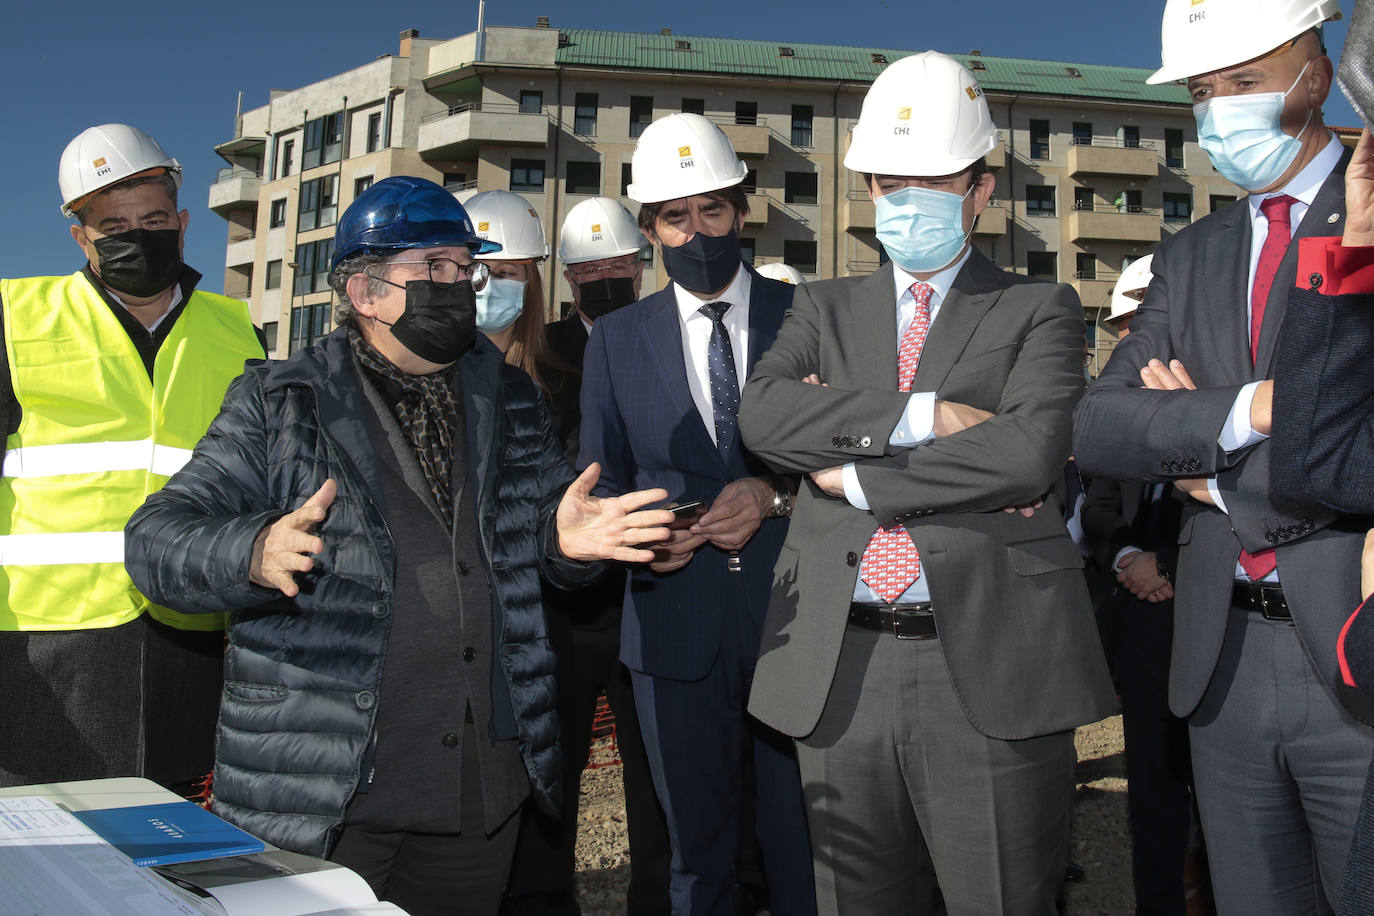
<point>736,513</point>
<point>1367,565</point>
<point>1158,377</point>
<point>676,552</point>
<point>282,549</point>
<point>1140,574</point>
<point>1027,510</point>
<point>1262,407</point>
<point>1197,488</point>
<point>830,481</point>
<point>952,417</point>
<point>592,528</point>
<point>814,379</point>
<point>1359,194</point>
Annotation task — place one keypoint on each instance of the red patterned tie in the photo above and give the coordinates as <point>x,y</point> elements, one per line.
<point>1276,211</point>
<point>891,562</point>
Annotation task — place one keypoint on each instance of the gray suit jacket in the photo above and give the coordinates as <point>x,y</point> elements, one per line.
<point>1195,311</point>
<point>1010,601</point>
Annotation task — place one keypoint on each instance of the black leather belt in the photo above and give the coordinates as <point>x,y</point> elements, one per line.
<point>1261,599</point>
<point>909,621</point>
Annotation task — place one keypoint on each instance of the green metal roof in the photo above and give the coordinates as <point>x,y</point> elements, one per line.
<point>746,57</point>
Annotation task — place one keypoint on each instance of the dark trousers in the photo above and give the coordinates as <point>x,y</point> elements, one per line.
<point>545,859</point>
<point>437,873</point>
<point>694,732</point>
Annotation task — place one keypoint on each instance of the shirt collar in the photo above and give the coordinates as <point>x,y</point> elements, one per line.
<point>737,294</point>
<point>941,282</point>
<point>1305,185</point>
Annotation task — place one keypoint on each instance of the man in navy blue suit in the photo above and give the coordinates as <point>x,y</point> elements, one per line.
<point>660,391</point>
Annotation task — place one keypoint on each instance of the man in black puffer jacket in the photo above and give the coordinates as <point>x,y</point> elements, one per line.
<point>375,513</point>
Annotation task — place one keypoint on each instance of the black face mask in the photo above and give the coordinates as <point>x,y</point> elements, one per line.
<point>139,263</point>
<point>705,263</point>
<point>598,297</point>
<point>440,320</point>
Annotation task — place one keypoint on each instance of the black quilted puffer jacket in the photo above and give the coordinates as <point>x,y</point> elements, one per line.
<point>302,674</point>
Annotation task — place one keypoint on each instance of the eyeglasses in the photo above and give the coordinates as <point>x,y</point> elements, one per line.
<point>584,272</point>
<point>446,271</point>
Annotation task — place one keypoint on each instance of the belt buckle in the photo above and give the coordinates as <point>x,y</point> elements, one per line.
<point>1264,605</point>
<point>732,562</point>
<point>897,628</point>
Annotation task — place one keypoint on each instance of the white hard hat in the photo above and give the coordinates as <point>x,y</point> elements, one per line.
<point>681,155</point>
<point>508,219</point>
<point>1130,288</point>
<point>780,271</point>
<point>924,115</point>
<point>102,156</point>
<point>598,228</point>
<point>1202,36</point>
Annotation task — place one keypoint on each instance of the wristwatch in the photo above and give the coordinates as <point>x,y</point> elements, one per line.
<point>782,501</point>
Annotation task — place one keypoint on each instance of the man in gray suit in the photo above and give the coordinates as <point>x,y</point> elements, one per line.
<point>1261,588</point>
<point>940,714</point>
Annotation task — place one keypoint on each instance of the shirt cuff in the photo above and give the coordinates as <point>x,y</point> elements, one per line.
<point>917,425</point>
<point>1124,551</point>
<point>1215,492</point>
<point>1237,432</point>
<point>852,491</point>
<point>1327,266</point>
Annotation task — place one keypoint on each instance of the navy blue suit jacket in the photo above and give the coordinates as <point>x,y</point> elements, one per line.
<point>640,422</point>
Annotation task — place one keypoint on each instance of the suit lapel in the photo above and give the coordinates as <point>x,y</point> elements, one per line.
<point>1226,317</point>
<point>662,335</point>
<point>872,319</point>
<point>976,287</point>
<point>1330,201</point>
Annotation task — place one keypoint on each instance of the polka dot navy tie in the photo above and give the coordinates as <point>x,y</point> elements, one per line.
<point>720,367</point>
<point>891,562</point>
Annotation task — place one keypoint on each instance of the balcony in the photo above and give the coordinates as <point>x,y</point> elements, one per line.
<point>238,253</point>
<point>759,204</point>
<point>856,211</point>
<point>456,135</point>
<point>1114,158</point>
<point>235,188</point>
<point>998,157</point>
<point>993,220</point>
<point>1093,287</point>
<point>749,140</point>
<point>1107,224</point>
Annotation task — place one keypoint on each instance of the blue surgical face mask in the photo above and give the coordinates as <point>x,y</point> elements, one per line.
<point>499,304</point>
<point>922,230</point>
<point>1242,136</point>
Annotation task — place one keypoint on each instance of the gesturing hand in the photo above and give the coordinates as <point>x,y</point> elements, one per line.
<point>736,514</point>
<point>591,528</point>
<point>282,548</point>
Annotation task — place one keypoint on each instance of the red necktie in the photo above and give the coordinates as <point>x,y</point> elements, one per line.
<point>1276,211</point>
<point>891,562</point>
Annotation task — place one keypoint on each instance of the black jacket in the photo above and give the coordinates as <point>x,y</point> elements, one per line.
<point>302,674</point>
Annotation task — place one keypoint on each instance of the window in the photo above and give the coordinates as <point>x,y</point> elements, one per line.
<point>288,154</point>
<point>1132,201</point>
<point>641,113</point>
<point>746,112</point>
<point>694,106</point>
<point>801,255</point>
<point>626,176</point>
<point>277,215</point>
<point>750,184</point>
<point>531,101</point>
<point>312,267</point>
<point>1216,201</point>
<point>1042,264</point>
<point>454,181</point>
<point>800,187</point>
<point>747,247</point>
<point>1130,136</point>
<point>308,324</point>
<point>319,203</point>
<point>1082,133</point>
<point>374,132</point>
<point>527,174</point>
<point>584,114</point>
<point>1087,266</point>
<point>801,125</point>
<point>1040,139</point>
<point>1083,198</point>
<point>1178,208</point>
<point>269,333</point>
<point>323,141</point>
<point>646,256</point>
<point>1040,200</point>
<point>584,178</point>
<point>1173,147</point>
<point>273,275</point>
<point>362,184</point>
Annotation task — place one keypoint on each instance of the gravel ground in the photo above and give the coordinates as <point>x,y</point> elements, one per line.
<point>1101,840</point>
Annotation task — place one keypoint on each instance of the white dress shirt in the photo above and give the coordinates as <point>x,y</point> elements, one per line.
<point>696,340</point>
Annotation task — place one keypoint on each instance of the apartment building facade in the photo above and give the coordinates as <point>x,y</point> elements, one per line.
<point>1094,170</point>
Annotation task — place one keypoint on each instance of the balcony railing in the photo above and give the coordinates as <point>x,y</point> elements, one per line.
<point>1112,143</point>
<point>234,173</point>
<point>494,107</point>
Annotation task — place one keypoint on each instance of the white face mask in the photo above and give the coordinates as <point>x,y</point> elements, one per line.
<point>922,230</point>
<point>499,304</point>
<point>1242,136</point>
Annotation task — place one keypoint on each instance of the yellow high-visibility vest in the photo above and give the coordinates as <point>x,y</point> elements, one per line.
<point>96,437</point>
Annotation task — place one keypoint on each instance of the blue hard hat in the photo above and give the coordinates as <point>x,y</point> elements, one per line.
<point>403,212</point>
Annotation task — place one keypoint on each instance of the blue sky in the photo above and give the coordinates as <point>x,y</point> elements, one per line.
<point>175,70</point>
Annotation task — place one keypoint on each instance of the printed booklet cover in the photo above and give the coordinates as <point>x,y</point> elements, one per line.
<point>163,834</point>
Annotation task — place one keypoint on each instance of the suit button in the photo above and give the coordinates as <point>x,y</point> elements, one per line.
<point>1314,281</point>
<point>835,441</point>
<point>463,568</point>
<point>1271,536</point>
<point>865,442</point>
<point>852,558</point>
<point>365,699</point>
<point>379,609</point>
<point>469,654</point>
<point>1307,524</point>
<point>1164,465</point>
<point>1194,464</point>
<point>450,740</point>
